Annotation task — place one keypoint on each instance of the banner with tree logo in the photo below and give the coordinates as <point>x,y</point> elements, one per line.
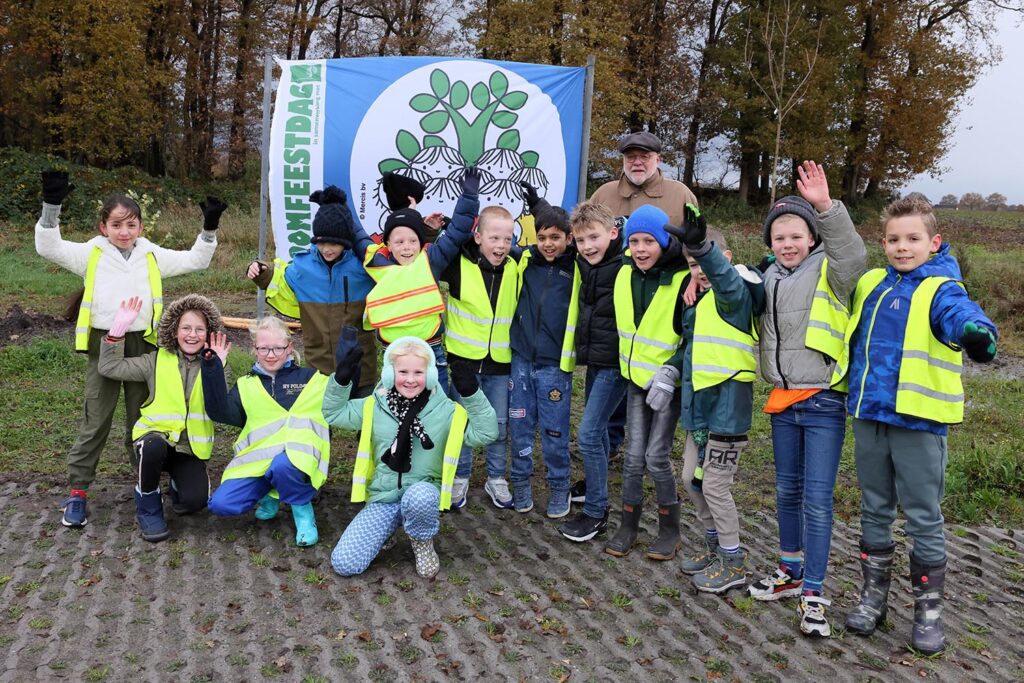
<point>345,122</point>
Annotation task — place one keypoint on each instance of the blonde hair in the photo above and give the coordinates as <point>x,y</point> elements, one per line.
<point>492,213</point>
<point>912,205</point>
<point>272,323</point>
<point>410,348</point>
<point>588,212</point>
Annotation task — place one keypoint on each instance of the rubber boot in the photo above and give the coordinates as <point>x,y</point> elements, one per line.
<point>267,507</point>
<point>625,537</point>
<point>703,558</point>
<point>427,562</point>
<point>149,510</point>
<point>876,564</point>
<point>928,580</point>
<point>305,525</point>
<point>667,542</point>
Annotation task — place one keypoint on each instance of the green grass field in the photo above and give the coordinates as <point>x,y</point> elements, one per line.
<point>43,378</point>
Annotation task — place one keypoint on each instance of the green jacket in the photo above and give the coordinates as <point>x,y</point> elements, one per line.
<point>436,416</point>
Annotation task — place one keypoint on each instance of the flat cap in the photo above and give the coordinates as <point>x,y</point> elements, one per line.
<point>643,140</point>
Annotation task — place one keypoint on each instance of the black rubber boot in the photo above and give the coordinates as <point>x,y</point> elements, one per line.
<point>928,580</point>
<point>877,566</point>
<point>625,537</point>
<point>667,542</point>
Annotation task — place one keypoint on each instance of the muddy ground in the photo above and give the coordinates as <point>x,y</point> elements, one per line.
<point>232,600</point>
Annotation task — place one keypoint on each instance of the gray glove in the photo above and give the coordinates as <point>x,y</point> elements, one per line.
<point>661,387</point>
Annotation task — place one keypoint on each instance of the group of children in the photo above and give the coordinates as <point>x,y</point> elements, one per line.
<point>657,313</point>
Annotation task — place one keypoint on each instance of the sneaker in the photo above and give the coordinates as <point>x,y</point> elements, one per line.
<point>724,573</point>
<point>775,587</point>
<point>497,489</point>
<point>522,497</point>
<point>74,510</point>
<point>578,492</point>
<point>460,487</point>
<point>558,504</point>
<point>583,527</point>
<point>813,622</point>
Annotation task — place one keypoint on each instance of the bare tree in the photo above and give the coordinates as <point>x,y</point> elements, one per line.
<point>781,25</point>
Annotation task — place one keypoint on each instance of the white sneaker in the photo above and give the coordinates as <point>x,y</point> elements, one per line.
<point>497,489</point>
<point>813,622</point>
<point>776,586</point>
<point>460,487</point>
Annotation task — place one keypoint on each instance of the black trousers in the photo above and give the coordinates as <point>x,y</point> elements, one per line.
<point>190,483</point>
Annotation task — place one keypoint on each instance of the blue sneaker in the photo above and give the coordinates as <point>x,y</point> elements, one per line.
<point>74,510</point>
<point>558,504</point>
<point>522,496</point>
<point>460,489</point>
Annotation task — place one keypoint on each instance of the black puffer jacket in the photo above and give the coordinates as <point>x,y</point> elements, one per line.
<point>597,340</point>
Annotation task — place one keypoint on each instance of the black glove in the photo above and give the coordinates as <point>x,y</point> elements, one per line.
<point>978,342</point>
<point>471,181</point>
<point>464,378</point>
<point>56,186</point>
<point>695,229</point>
<point>766,262</point>
<point>212,209</point>
<point>530,195</point>
<point>348,355</point>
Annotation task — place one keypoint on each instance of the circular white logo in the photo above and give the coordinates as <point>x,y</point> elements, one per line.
<point>438,119</point>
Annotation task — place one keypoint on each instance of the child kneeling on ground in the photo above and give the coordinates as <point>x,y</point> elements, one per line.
<point>173,433</point>
<point>284,449</point>
<point>411,436</point>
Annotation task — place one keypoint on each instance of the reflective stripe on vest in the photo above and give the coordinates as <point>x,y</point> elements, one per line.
<point>474,329</point>
<point>362,472</point>
<point>645,349</point>
<point>720,351</point>
<point>829,317</point>
<point>405,302</point>
<point>84,322</point>
<point>280,294</point>
<point>301,432</point>
<point>567,362</point>
<point>929,384</point>
<point>166,413</point>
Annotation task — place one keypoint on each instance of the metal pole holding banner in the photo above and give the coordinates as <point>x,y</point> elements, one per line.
<point>268,83</point>
<point>588,105</point>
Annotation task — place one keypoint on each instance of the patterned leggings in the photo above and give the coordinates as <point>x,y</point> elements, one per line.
<point>369,530</point>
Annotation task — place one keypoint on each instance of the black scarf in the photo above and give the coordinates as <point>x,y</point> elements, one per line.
<point>399,455</point>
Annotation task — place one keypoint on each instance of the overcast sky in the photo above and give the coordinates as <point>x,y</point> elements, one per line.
<point>988,143</point>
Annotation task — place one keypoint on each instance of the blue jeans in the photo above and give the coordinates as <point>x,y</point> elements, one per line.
<point>540,399</point>
<point>605,389</point>
<point>237,496</point>
<point>369,530</point>
<point>617,426</point>
<point>807,439</point>
<point>441,359</point>
<point>495,388</point>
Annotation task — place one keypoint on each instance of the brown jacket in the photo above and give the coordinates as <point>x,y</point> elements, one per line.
<point>622,197</point>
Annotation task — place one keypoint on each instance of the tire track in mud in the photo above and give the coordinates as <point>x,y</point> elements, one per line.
<point>232,599</point>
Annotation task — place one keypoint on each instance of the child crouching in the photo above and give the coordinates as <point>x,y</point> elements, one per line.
<point>411,436</point>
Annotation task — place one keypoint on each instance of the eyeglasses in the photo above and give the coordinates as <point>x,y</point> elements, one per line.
<point>188,329</point>
<point>271,350</point>
<point>638,156</point>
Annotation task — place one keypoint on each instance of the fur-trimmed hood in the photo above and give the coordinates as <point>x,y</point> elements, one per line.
<point>167,330</point>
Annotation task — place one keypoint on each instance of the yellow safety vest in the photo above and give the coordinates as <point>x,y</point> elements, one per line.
<point>826,328</point>
<point>929,384</point>
<point>567,363</point>
<point>474,328</point>
<point>720,351</point>
<point>83,325</point>
<point>645,349</point>
<point>167,413</point>
<point>362,472</point>
<point>301,432</point>
<point>405,302</point>
<point>280,294</point>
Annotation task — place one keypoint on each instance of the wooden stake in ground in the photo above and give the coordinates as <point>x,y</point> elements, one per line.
<point>247,323</point>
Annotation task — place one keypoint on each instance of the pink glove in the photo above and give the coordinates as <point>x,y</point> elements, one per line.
<point>127,312</point>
